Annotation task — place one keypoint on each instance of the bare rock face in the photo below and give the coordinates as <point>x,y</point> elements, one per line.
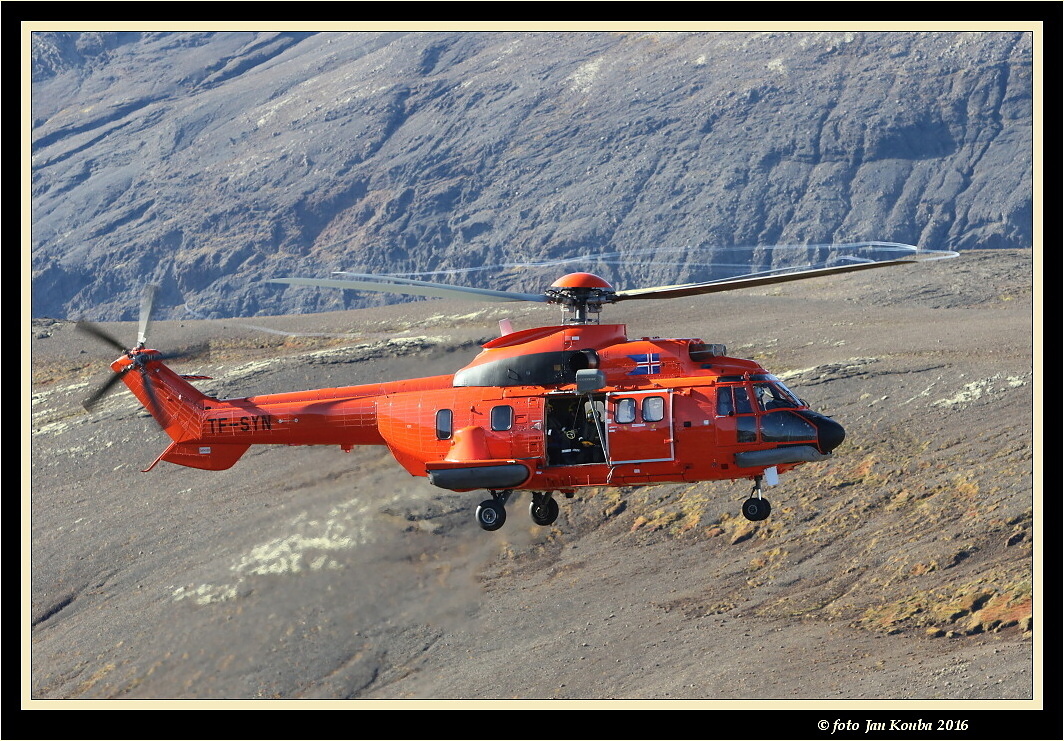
<point>210,162</point>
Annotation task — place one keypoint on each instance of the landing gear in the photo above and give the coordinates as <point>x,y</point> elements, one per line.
<point>544,509</point>
<point>756,508</point>
<point>491,514</point>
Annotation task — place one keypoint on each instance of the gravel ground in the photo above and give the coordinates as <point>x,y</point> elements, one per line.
<point>896,577</point>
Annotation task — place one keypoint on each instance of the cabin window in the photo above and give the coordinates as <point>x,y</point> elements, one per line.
<point>502,418</point>
<point>444,424</point>
<point>653,409</point>
<point>625,411</point>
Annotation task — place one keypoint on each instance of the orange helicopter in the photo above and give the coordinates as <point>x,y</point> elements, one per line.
<point>547,410</point>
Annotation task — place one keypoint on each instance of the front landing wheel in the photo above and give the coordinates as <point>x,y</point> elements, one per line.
<point>756,509</point>
<point>491,515</point>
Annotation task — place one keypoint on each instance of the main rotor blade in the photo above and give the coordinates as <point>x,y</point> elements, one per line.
<point>92,329</point>
<point>748,281</point>
<point>147,306</point>
<point>412,287</point>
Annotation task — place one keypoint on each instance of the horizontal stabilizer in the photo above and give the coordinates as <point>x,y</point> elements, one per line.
<point>205,457</point>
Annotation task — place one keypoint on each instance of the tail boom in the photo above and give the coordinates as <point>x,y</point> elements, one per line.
<point>212,434</point>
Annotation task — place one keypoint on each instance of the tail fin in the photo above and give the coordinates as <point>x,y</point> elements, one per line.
<point>176,404</point>
<point>179,408</point>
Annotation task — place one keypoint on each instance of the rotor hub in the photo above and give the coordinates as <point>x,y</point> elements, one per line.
<point>581,294</point>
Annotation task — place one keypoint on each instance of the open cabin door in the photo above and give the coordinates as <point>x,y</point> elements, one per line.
<point>574,427</point>
<point>639,426</point>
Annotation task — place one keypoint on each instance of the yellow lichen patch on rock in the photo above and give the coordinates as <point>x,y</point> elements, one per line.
<point>1003,611</point>
<point>768,560</point>
<point>657,520</point>
<point>976,608</point>
<point>677,514</point>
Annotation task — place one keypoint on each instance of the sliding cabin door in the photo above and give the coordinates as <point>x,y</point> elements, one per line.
<point>639,426</point>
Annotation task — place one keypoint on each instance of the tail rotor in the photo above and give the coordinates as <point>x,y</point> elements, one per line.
<point>139,356</point>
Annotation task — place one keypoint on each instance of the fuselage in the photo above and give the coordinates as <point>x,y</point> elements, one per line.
<point>550,408</point>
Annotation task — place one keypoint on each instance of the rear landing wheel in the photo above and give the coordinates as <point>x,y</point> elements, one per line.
<point>756,509</point>
<point>491,514</point>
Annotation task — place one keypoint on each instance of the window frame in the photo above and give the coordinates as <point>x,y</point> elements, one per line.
<point>659,413</point>
<point>444,432</point>
<point>502,425</point>
<point>630,407</point>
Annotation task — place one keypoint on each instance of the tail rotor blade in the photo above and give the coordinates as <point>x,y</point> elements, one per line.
<point>147,307</point>
<point>101,392</point>
<point>92,329</point>
<point>156,408</point>
<point>157,411</point>
<point>186,352</point>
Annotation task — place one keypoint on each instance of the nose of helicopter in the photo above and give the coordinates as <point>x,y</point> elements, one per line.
<point>829,433</point>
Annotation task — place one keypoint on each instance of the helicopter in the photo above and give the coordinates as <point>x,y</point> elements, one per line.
<point>548,410</point>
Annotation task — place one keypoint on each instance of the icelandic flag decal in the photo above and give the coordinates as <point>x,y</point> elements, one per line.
<point>646,364</point>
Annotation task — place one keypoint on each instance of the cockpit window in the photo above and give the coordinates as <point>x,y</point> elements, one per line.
<point>742,401</point>
<point>733,400</point>
<point>786,427</point>
<point>725,407</point>
<point>787,392</point>
<point>774,396</point>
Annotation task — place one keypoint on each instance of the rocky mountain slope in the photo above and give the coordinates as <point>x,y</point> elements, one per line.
<point>210,161</point>
<point>906,569</point>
